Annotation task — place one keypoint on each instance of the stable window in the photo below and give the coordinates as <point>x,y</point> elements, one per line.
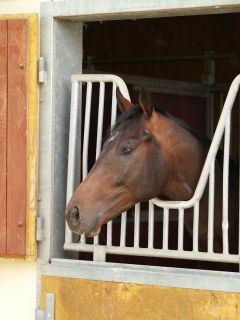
<point>191,77</point>
<point>156,229</point>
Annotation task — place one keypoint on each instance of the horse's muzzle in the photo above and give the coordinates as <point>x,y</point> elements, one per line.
<point>74,220</point>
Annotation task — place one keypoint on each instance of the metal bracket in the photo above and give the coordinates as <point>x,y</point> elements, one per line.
<point>40,231</point>
<point>42,70</point>
<point>48,313</point>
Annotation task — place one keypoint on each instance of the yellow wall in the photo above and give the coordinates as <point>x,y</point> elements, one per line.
<point>77,299</point>
<point>17,290</point>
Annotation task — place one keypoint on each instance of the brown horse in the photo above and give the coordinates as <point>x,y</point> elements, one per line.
<point>148,154</point>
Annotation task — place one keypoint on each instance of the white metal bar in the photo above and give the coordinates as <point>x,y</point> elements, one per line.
<point>137,225</point>
<point>109,233</point>
<point>78,164</point>
<point>83,239</point>
<point>104,78</point>
<point>239,181</point>
<point>72,150</point>
<point>150,224</point>
<point>225,223</point>
<point>114,105</point>
<point>99,253</point>
<point>180,228</point>
<point>195,226</point>
<point>211,207</point>
<point>96,239</point>
<point>148,252</point>
<point>165,227</point>
<point>123,229</point>
<point>144,275</point>
<point>100,118</point>
<point>87,128</point>
<point>231,96</point>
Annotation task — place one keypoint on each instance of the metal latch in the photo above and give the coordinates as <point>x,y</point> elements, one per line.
<point>42,70</point>
<point>48,313</point>
<point>40,231</point>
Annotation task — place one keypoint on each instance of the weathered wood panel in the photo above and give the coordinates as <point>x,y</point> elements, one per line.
<point>3,132</point>
<point>85,299</point>
<point>17,136</point>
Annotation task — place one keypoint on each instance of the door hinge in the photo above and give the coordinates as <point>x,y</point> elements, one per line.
<point>48,312</point>
<point>40,230</point>
<point>42,70</point>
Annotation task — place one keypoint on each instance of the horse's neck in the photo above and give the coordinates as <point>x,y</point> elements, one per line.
<point>185,156</point>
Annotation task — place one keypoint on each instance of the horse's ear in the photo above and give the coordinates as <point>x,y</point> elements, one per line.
<point>123,103</point>
<point>145,103</point>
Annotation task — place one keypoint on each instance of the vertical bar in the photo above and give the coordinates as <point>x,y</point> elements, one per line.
<point>99,253</point>
<point>113,120</point>
<point>78,157</point>
<point>180,228</point>
<point>225,223</point>
<point>83,239</point>
<point>195,226</point>
<point>137,225</point>
<point>3,137</point>
<point>165,227</point>
<point>87,128</point>
<point>211,194</point>
<point>17,136</point>
<point>86,137</point>
<point>99,129</point>
<point>123,229</point>
<point>150,224</point>
<point>220,110</point>
<point>100,118</point>
<point>239,180</point>
<point>96,239</point>
<point>73,128</point>
<point>114,105</point>
<point>109,233</point>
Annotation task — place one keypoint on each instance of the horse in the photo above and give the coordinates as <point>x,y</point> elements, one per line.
<point>148,154</point>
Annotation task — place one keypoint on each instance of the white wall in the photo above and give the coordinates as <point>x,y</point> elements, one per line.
<point>11,7</point>
<point>17,290</point>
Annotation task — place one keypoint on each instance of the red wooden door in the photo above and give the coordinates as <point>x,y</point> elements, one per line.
<point>13,136</point>
<point>3,135</point>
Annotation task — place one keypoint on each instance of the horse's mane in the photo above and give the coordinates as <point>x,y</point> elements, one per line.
<point>135,113</point>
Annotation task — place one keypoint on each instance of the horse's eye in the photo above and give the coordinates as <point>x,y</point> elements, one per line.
<point>126,150</point>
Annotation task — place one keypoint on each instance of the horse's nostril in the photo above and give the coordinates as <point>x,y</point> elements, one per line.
<point>75,216</point>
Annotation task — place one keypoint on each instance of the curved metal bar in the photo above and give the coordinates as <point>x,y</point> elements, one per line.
<point>232,93</point>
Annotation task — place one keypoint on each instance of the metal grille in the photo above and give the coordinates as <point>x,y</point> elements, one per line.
<point>206,180</point>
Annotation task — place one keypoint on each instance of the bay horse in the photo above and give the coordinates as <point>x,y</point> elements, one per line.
<point>148,154</point>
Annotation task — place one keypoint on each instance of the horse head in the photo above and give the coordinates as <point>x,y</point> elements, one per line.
<point>131,168</point>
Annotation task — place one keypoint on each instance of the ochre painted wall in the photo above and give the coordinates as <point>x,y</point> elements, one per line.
<point>77,299</point>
